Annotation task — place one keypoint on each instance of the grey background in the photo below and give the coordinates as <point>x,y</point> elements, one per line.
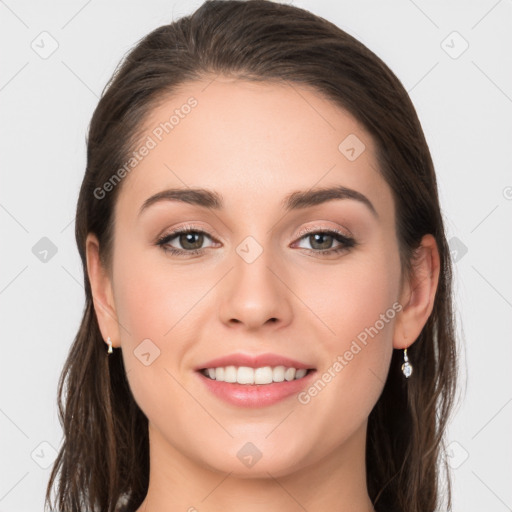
<point>464,101</point>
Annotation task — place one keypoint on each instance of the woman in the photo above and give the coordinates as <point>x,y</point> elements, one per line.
<point>265,261</point>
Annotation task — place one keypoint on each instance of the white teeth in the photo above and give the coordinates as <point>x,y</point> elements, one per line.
<point>263,375</point>
<point>289,374</point>
<point>247,375</point>
<point>300,373</point>
<point>230,374</point>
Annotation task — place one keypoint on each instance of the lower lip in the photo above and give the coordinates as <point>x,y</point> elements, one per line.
<point>256,395</point>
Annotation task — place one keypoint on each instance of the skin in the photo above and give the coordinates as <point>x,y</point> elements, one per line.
<point>254,143</point>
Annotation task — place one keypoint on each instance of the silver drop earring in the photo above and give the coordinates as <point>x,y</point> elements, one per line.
<point>406,367</point>
<point>109,341</point>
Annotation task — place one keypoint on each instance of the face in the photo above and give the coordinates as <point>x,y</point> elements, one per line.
<point>266,271</point>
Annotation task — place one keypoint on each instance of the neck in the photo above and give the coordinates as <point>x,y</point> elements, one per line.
<point>337,482</point>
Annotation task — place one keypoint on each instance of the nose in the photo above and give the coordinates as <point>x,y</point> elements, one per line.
<point>256,294</point>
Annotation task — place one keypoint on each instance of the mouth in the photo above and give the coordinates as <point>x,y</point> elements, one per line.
<point>246,387</point>
<point>265,375</point>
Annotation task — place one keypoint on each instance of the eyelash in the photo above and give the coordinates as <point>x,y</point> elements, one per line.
<point>346,241</point>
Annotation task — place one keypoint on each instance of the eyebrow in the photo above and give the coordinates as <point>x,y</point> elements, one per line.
<point>296,200</point>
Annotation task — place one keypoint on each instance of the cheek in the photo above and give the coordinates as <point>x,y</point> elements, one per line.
<point>142,301</point>
<point>156,307</point>
<point>357,303</point>
<point>150,302</point>
<point>151,299</point>
<point>352,295</point>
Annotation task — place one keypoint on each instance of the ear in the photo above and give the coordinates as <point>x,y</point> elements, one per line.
<point>101,287</point>
<point>418,293</point>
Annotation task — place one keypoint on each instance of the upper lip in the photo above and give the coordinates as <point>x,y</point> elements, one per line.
<point>253,361</point>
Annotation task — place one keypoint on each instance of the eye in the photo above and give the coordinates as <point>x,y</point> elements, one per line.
<point>321,241</point>
<point>190,239</point>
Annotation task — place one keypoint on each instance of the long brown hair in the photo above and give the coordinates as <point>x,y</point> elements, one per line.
<point>104,458</point>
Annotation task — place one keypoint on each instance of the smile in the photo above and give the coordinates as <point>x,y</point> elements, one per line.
<point>248,375</point>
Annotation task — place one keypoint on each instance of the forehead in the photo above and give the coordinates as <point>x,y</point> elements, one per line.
<point>252,141</point>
